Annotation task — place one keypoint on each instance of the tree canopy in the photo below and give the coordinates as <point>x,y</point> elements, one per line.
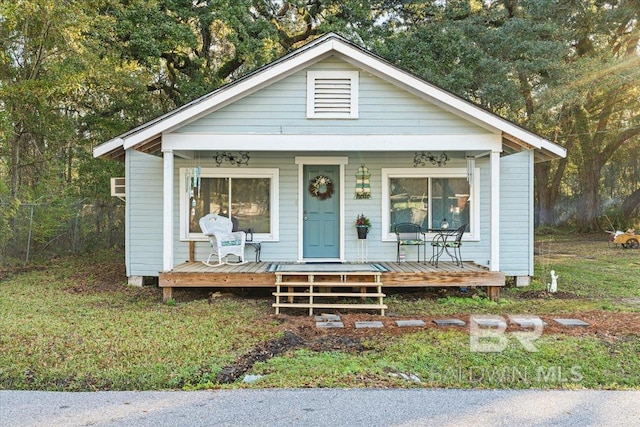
<point>76,73</point>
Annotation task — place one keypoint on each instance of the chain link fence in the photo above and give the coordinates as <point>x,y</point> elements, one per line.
<point>34,232</point>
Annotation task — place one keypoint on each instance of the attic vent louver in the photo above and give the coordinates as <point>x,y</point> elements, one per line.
<point>332,94</point>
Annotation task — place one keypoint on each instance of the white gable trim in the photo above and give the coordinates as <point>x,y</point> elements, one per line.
<point>107,147</point>
<point>441,97</point>
<point>303,57</point>
<point>231,93</point>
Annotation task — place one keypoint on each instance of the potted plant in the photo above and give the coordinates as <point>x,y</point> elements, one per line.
<point>362,225</point>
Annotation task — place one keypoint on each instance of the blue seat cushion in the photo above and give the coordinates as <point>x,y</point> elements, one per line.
<point>447,244</point>
<point>411,242</point>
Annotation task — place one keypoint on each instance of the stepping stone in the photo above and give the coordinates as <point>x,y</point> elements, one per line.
<point>525,322</point>
<point>372,324</point>
<point>251,378</point>
<point>571,322</point>
<point>329,325</point>
<point>327,318</point>
<point>404,323</point>
<point>449,322</point>
<point>490,323</point>
<point>408,377</point>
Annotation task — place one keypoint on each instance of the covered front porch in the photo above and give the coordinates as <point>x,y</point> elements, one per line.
<point>389,274</point>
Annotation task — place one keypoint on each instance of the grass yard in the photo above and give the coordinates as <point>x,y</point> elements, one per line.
<point>74,324</point>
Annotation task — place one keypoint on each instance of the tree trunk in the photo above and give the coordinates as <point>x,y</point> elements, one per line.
<point>14,167</point>
<point>631,204</point>
<point>545,200</point>
<point>547,189</point>
<point>589,205</point>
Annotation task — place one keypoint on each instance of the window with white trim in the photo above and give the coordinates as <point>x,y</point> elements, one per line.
<point>427,197</point>
<point>248,196</point>
<point>332,94</point>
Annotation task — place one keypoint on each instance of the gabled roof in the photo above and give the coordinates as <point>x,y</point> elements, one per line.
<point>147,137</point>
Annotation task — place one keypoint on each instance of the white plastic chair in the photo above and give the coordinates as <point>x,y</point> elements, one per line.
<point>223,239</point>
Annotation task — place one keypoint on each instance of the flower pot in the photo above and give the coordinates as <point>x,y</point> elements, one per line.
<point>362,231</point>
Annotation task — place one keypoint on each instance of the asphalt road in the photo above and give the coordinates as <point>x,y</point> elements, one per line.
<point>322,407</point>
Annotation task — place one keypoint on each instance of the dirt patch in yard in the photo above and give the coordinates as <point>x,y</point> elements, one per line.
<point>260,353</point>
<point>546,295</point>
<point>7,273</point>
<point>302,332</point>
<point>106,277</point>
<point>602,324</point>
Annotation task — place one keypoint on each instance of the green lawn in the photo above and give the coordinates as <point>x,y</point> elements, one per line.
<point>74,324</point>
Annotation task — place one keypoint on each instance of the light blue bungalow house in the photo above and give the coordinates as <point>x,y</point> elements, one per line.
<point>299,148</point>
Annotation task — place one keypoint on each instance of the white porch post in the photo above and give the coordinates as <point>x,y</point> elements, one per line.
<point>167,211</point>
<point>494,211</point>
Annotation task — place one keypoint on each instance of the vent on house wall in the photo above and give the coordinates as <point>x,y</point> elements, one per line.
<point>332,94</point>
<point>118,188</point>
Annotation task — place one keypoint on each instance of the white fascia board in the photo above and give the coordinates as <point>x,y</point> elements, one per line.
<point>231,93</point>
<point>330,142</point>
<point>107,147</point>
<point>554,148</point>
<point>447,100</point>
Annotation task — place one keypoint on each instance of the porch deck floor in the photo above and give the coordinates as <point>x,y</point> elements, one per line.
<point>392,267</point>
<point>399,274</point>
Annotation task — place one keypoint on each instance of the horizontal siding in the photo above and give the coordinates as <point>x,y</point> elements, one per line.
<point>287,247</point>
<point>144,208</point>
<point>516,240</point>
<point>144,214</point>
<point>281,109</point>
<point>284,250</point>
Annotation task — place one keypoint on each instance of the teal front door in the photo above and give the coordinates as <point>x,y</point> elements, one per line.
<point>321,215</point>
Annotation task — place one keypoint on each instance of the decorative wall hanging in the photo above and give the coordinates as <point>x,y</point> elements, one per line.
<point>242,158</point>
<point>363,185</point>
<point>321,187</point>
<point>193,181</point>
<point>471,165</point>
<point>421,159</point>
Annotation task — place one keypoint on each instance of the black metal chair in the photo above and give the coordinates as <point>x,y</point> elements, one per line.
<point>449,242</point>
<point>409,234</point>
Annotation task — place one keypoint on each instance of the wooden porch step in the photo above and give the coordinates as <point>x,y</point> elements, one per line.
<point>323,305</point>
<point>329,305</point>
<point>329,294</point>
<point>328,273</point>
<point>331,284</point>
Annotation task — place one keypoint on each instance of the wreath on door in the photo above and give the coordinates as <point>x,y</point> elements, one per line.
<point>321,187</point>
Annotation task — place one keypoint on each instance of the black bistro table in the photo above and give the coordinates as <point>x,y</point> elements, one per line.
<point>438,246</point>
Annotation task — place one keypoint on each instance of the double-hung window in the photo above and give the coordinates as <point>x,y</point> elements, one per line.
<point>428,197</point>
<point>248,196</point>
